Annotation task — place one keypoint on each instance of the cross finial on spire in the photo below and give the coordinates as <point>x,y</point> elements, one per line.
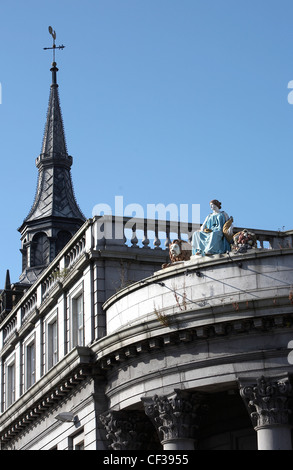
<point>53,34</point>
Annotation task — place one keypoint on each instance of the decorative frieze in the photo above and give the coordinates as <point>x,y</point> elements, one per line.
<point>221,329</point>
<point>267,401</point>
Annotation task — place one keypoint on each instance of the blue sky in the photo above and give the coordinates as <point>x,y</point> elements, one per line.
<point>163,101</point>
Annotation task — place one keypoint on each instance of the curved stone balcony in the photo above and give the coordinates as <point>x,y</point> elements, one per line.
<point>199,324</point>
<point>225,284</point>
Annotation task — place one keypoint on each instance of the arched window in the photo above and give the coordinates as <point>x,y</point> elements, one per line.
<point>40,250</point>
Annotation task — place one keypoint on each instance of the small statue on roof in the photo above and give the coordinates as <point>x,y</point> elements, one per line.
<point>243,241</point>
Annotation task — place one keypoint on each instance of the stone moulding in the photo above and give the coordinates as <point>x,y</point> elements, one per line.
<point>186,327</point>
<point>47,392</point>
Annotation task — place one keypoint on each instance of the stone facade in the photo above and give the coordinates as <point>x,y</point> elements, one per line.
<point>107,350</point>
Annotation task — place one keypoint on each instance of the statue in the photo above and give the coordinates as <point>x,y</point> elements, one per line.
<point>215,234</point>
<point>243,241</point>
<point>179,250</point>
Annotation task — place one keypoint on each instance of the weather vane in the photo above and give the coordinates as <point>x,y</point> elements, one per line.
<point>53,34</point>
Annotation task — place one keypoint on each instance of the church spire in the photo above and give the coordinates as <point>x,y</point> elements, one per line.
<point>54,145</point>
<point>55,215</point>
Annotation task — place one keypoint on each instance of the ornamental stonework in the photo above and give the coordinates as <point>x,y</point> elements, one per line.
<point>177,415</point>
<point>126,430</point>
<point>268,401</point>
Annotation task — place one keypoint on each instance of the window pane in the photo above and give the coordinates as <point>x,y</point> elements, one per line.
<point>52,344</point>
<point>30,350</point>
<point>78,442</point>
<point>10,384</point>
<point>77,322</point>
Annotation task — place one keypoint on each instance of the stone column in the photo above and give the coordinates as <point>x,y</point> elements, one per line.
<point>176,417</point>
<point>127,430</point>
<point>267,402</point>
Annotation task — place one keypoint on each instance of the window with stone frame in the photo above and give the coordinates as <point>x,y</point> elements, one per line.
<point>10,381</point>
<point>51,341</point>
<point>76,442</point>
<point>77,320</point>
<point>30,363</point>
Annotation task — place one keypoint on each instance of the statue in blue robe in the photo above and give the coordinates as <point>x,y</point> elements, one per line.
<point>210,239</point>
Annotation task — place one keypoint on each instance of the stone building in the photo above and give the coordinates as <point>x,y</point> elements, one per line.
<point>103,348</point>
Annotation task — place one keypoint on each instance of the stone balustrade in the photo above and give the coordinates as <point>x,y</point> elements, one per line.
<point>74,253</point>
<point>10,328</point>
<point>49,282</point>
<point>29,306</point>
<point>140,233</point>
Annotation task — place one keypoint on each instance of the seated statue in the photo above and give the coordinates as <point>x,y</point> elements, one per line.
<point>215,234</point>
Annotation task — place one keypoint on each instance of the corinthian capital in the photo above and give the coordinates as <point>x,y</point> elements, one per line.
<point>126,430</point>
<point>267,401</point>
<point>177,415</point>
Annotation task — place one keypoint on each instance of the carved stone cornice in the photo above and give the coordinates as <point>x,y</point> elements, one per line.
<point>106,355</point>
<point>126,430</point>
<point>268,401</point>
<point>49,391</point>
<point>177,415</point>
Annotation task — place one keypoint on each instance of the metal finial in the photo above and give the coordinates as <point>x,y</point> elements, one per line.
<point>53,34</point>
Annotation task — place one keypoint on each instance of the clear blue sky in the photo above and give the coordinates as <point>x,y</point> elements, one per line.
<point>163,101</point>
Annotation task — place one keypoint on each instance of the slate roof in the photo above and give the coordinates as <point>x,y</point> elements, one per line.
<point>55,195</point>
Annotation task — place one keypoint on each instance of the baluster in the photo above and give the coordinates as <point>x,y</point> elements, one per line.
<point>168,241</point>
<point>145,240</point>
<point>134,239</point>
<point>157,241</point>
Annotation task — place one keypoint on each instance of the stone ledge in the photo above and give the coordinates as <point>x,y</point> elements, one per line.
<point>122,345</point>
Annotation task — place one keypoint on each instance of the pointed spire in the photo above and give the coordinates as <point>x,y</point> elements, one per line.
<point>7,281</point>
<point>54,144</point>
<point>55,215</point>
<point>55,195</point>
